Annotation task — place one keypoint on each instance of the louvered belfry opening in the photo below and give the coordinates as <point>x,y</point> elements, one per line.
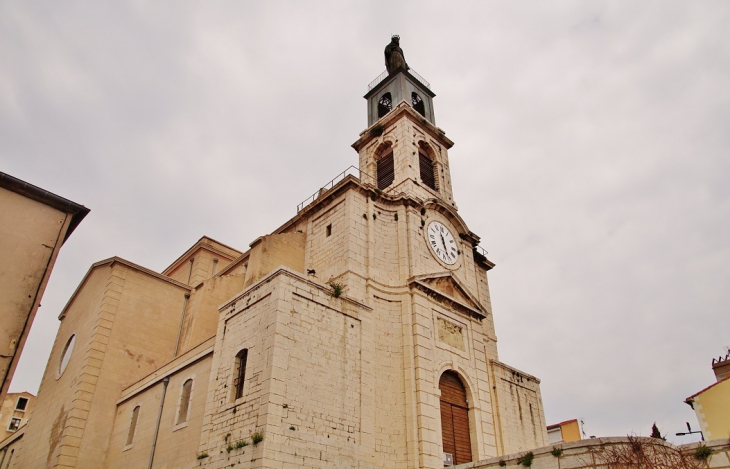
<point>385,105</point>
<point>455,418</point>
<point>428,172</point>
<point>385,171</point>
<point>417,104</point>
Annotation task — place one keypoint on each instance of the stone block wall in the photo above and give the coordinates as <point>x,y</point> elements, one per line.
<point>518,409</point>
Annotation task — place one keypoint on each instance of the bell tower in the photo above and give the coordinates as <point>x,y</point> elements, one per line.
<point>402,149</point>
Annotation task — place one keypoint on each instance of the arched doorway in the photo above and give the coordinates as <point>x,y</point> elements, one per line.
<point>455,417</point>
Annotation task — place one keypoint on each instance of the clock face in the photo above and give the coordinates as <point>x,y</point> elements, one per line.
<point>442,243</point>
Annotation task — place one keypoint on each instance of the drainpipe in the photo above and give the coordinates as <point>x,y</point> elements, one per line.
<point>182,317</point>
<point>165,382</point>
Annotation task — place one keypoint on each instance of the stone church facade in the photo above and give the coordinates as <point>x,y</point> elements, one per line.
<point>359,334</point>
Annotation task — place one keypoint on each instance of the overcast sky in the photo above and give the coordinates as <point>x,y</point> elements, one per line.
<point>592,155</point>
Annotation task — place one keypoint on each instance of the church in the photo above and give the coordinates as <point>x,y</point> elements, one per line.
<point>358,334</point>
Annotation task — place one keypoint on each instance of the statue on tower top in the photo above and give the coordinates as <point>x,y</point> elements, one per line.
<point>394,58</point>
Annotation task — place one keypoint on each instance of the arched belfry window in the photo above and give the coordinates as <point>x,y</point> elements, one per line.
<point>385,105</point>
<point>385,170</point>
<point>417,104</point>
<point>427,169</point>
<point>454,417</point>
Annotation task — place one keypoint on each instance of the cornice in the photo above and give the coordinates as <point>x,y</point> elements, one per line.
<point>419,284</point>
<point>77,211</point>
<point>401,110</point>
<point>198,245</point>
<point>118,260</point>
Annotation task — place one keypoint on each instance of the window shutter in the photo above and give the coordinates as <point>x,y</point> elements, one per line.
<point>385,171</point>
<point>428,174</point>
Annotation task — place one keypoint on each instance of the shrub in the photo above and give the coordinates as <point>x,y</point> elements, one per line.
<point>526,459</point>
<point>703,452</point>
<point>337,288</point>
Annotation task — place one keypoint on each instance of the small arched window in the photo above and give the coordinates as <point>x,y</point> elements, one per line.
<point>385,105</point>
<point>427,170</point>
<point>417,104</point>
<point>132,426</point>
<point>241,359</point>
<point>185,395</point>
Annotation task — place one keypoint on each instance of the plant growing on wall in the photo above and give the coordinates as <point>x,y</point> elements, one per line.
<point>202,455</point>
<point>257,437</point>
<point>241,444</point>
<point>557,452</point>
<point>526,459</point>
<point>702,453</point>
<point>337,288</point>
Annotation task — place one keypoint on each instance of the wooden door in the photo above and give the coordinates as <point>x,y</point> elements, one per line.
<point>455,418</point>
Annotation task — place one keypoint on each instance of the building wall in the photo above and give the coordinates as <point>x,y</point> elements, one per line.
<point>111,351</point>
<point>31,234</point>
<point>201,313</point>
<point>10,450</point>
<point>177,443</point>
<point>712,407</point>
<point>518,409</point>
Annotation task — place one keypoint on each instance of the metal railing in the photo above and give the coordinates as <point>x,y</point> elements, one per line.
<point>364,178</point>
<point>385,75</point>
<point>351,171</point>
<point>481,250</point>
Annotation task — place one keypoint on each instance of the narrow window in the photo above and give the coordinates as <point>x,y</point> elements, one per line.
<point>22,404</point>
<point>329,229</point>
<point>241,359</point>
<point>14,424</point>
<point>417,104</point>
<point>10,458</point>
<point>132,425</point>
<point>385,171</point>
<point>385,105</point>
<point>428,172</point>
<point>185,393</point>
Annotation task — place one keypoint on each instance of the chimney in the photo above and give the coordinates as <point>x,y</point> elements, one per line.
<point>721,366</point>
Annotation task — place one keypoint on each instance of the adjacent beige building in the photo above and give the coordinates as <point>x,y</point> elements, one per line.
<point>14,413</point>
<point>34,224</point>
<point>358,334</point>
<point>712,404</point>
